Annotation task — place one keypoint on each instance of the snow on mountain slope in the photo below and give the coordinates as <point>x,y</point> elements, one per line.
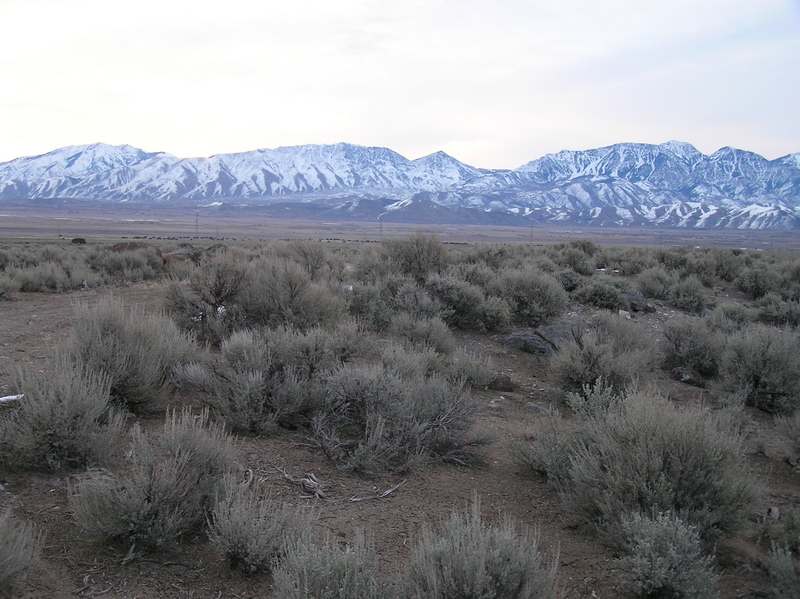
<point>672,183</point>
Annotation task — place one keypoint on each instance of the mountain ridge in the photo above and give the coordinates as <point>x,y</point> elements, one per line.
<point>670,184</point>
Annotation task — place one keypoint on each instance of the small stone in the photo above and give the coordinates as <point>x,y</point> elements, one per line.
<point>774,514</point>
<point>625,314</point>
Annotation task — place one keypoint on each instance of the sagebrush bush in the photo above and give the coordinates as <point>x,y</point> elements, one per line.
<point>169,491</point>
<point>663,557</point>
<point>546,451</point>
<point>20,546</point>
<point>765,362</point>
<point>210,305</point>
<point>467,559</point>
<point>463,301</point>
<point>655,282</point>
<point>688,295</point>
<point>689,343</point>
<point>613,350</point>
<point>65,419</point>
<point>251,531</point>
<point>646,456</point>
<point>281,292</point>
<point>534,296</point>
<point>728,318</point>
<point>774,310</point>
<point>137,351</point>
<point>417,255</point>
<point>375,419</point>
<point>328,571</point>
<point>758,280</point>
<point>422,332</point>
<point>601,294</point>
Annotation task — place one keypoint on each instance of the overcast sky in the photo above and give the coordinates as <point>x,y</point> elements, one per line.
<point>494,83</point>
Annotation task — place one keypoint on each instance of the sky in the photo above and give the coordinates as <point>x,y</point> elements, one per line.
<point>494,83</point>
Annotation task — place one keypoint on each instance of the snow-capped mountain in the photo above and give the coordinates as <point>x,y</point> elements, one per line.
<point>669,184</point>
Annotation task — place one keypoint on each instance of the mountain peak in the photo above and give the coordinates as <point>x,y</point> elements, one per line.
<point>628,183</point>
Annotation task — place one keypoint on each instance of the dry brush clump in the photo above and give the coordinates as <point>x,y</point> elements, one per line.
<point>662,556</point>
<point>534,296</point>
<point>610,350</point>
<point>253,531</point>
<point>20,546</point>
<point>765,363</point>
<point>375,419</point>
<point>467,559</point>
<point>643,455</point>
<point>64,419</point>
<point>137,351</point>
<point>311,570</point>
<point>690,343</point>
<point>168,491</point>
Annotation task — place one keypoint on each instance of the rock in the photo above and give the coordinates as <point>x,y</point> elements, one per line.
<point>530,343</point>
<point>501,382</point>
<point>688,376</point>
<point>559,334</point>
<point>625,314</point>
<point>637,301</point>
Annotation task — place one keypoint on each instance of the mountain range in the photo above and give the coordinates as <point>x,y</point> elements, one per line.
<point>670,184</point>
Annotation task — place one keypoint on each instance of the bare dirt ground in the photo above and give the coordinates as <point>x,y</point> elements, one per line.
<point>32,325</point>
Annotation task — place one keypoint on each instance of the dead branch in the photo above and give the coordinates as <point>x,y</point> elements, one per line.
<point>383,495</point>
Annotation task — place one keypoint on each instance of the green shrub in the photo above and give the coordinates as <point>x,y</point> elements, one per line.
<point>20,546</point>
<point>688,343</point>
<point>376,419</point>
<point>613,350</point>
<point>646,456</point>
<point>663,557</point>
<point>534,297</point>
<point>310,571</point>
<point>765,362</point>
<point>655,282</point>
<point>137,351</point>
<point>168,492</point>
<point>688,295</point>
<point>64,419</point>
<point>601,295</point>
<point>470,560</point>
<point>252,532</point>
<point>417,256</point>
